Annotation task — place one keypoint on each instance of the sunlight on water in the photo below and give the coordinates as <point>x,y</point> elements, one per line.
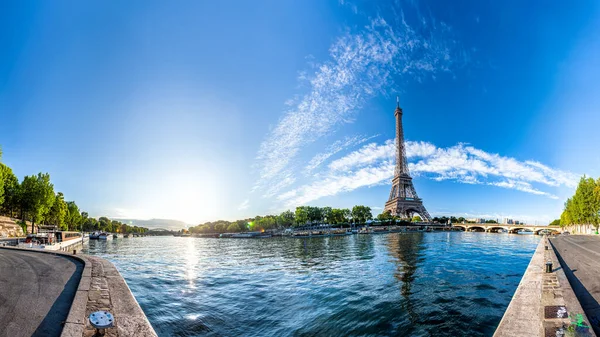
<point>432,284</point>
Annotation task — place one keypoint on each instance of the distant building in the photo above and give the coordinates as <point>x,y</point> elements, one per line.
<point>476,220</point>
<point>508,221</point>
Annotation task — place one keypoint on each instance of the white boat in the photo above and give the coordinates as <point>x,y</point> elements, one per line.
<point>101,236</point>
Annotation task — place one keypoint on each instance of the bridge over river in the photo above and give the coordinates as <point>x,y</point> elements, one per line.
<point>497,228</point>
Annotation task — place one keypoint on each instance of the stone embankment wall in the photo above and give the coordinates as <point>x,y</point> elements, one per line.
<point>581,229</point>
<point>101,287</point>
<point>9,228</point>
<point>544,304</point>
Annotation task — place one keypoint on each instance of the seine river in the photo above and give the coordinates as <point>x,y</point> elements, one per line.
<point>418,284</point>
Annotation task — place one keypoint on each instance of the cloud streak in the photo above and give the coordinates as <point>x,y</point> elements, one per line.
<point>360,66</point>
<point>244,205</point>
<point>373,164</point>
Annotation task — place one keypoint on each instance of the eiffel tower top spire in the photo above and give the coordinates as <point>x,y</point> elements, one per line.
<point>398,108</point>
<point>401,165</point>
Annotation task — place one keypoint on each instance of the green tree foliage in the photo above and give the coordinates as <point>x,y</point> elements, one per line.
<point>286,219</point>
<point>105,224</point>
<point>302,215</point>
<point>584,206</point>
<point>338,216</point>
<point>11,191</point>
<point>73,219</point>
<point>361,214</point>
<point>1,181</point>
<point>58,212</point>
<point>37,197</point>
<point>385,217</point>
<point>555,222</point>
<point>416,218</point>
<point>233,227</point>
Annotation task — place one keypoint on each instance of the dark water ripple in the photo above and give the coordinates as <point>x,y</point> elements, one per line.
<point>433,284</point>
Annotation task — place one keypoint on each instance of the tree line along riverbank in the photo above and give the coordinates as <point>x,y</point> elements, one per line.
<point>583,208</point>
<point>33,201</point>
<point>304,215</point>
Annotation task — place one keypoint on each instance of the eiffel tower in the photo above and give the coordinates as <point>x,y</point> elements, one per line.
<point>404,201</point>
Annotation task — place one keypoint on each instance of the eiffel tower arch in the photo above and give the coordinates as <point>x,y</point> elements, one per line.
<point>403,200</point>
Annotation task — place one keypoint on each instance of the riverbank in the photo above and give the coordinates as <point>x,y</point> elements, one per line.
<point>544,303</point>
<point>99,286</point>
<point>579,255</point>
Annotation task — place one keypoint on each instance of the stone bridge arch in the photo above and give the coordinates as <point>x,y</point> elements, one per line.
<point>496,229</point>
<point>515,229</point>
<point>538,231</point>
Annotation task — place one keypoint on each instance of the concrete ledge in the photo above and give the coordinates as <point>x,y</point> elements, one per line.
<point>526,314</point>
<point>130,319</point>
<point>523,315</point>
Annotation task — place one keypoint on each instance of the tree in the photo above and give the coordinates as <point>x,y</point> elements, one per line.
<point>584,206</point>
<point>385,217</point>
<point>90,225</point>
<point>361,213</point>
<point>104,224</point>
<point>490,221</point>
<point>286,219</point>
<point>417,218</point>
<point>337,216</point>
<point>326,212</point>
<point>597,205</point>
<point>83,219</point>
<point>58,212</point>
<point>1,183</point>
<point>11,190</point>
<point>74,217</point>
<point>555,223</point>
<point>301,215</point>
<point>221,227</point>
<point>37,197</point>
<point>347,214</point>
<point>233,227</point>
<point>566,218</point>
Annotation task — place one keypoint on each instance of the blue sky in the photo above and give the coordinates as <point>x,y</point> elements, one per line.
<point>210,110</point>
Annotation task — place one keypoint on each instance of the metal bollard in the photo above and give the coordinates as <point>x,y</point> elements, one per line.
<point>549,267</point>
<point>101,320</point>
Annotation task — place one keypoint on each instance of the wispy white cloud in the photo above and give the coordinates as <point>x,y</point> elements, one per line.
<point>373,164</point>
<point>333,149</point>
<point>244,205</point>
<point>361,65</point>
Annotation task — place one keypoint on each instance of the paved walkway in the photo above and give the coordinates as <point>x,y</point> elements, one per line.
<point>581,253</point>
<point>36,292</point>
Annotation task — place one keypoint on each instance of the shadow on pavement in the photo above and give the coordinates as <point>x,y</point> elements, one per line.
<point>52,324</point>
<point>583,295</point>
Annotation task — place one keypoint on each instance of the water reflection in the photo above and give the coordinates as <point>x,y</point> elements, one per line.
<point>418,284</point>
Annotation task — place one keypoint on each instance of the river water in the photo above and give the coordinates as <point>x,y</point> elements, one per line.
<point>417,284</point>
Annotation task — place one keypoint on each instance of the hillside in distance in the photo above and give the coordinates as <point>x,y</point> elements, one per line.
<point>155,223</point>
